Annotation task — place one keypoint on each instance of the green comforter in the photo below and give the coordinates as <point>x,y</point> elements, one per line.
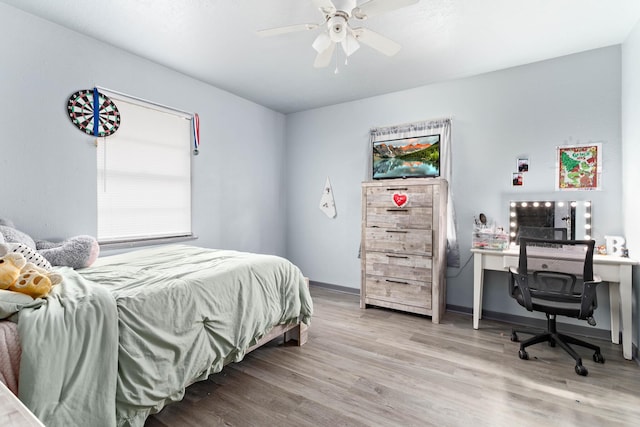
<point>117,341</point>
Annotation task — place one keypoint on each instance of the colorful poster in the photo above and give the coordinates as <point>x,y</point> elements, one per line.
<point>579,167</point>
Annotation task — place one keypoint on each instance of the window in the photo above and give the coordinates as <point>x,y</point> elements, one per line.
<point>144,174</point>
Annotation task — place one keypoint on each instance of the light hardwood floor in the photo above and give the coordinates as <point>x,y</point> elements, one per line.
<point>378,367</point>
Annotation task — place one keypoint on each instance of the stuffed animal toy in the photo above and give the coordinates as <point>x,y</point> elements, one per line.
<point>10,267</point>
<point>75,252</point>
<point>18,275</point>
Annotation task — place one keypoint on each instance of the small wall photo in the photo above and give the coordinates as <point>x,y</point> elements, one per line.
<point>523,164</point>
<point>517,179</point>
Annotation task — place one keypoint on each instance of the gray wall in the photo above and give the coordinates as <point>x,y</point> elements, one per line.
<point>631,151</point>
<point>497,117</point>
<point>48,167</point>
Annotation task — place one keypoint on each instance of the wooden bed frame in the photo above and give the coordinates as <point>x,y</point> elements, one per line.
<point>296,332</point>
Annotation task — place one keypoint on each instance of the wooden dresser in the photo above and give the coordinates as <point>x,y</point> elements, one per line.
<point>404,245</point>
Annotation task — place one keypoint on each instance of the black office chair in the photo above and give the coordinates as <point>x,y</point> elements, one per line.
<point>556,277</point>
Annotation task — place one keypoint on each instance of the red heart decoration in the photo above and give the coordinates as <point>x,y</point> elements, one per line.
<point>400,199</point>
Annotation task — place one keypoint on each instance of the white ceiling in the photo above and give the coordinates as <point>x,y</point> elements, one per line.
<point>215,41</point>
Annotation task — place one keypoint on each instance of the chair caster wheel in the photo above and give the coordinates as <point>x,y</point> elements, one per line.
<point>514,337</point>
<point>598,357</point>
<point>581,370</point>
<point>522,354</point>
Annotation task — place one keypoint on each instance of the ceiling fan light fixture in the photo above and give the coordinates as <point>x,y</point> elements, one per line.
<point>350,45</point>
<point>337,28</point>
<point>322,42</point>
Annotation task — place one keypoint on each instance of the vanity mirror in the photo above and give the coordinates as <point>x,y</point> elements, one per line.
<point>549,219</point>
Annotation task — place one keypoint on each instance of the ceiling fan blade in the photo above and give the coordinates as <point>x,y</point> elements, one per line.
<point>323,58</point>
<point>376,41</point>
<point>288,29</point>
<point>326,6</point>
<point>376,7</point>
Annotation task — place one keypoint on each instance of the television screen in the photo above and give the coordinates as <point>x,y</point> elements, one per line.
<point>407,157</point>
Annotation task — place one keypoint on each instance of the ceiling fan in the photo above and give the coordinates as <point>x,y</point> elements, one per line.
<point>337,14</point>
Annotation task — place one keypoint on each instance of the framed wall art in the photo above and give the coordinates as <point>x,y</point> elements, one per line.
<point>578,167</point>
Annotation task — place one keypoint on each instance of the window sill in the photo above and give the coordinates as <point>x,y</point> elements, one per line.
<point>128,244</point>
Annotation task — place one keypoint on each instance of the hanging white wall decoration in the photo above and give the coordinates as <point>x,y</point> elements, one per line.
<point>327,203</point>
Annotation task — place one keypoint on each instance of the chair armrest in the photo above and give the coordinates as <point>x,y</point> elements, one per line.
<point>519,284</point>
<point>588,301</point>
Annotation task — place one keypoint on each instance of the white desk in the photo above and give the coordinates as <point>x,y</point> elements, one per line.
<point>614,270</point>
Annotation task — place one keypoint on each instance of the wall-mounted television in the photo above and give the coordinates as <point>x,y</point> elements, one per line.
<point>417,157</point>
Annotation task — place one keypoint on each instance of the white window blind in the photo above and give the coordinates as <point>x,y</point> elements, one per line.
<point>144,174</point>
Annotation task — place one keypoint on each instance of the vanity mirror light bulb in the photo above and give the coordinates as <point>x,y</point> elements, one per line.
<point>587,204</point>
<point>574,204</point>
<point>512,224</point>
<point>536,204</point>
<point>587,215</point>
<point>513,234</point>
<point>513,214</point>
<point>547,204</point>
<point>587,237</point>
<point>513,204</point>
<point>587,226</point>
<point>523,204</point>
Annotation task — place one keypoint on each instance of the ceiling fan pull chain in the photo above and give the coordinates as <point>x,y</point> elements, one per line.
<point>336,71</point>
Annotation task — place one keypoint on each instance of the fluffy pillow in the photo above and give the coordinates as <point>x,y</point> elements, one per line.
<point>11,235</point>
<point>30,254</point>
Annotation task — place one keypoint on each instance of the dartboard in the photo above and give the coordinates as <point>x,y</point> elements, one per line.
<point>93,112</point>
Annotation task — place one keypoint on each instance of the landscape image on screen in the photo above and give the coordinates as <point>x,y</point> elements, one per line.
<point>407,158</point>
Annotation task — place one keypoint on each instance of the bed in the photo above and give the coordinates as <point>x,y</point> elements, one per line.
<point>118,341</point>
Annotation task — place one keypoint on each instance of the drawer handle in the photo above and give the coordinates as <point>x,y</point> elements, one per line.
<point>396,231</point>
<point>396,281</point>
<point>397,210</point>
<point>397,256</point>
<point>398,189</point>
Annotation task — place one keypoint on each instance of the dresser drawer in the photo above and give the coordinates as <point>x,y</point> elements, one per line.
<point>399,266</point>
<point>382,196</point>
<point>388,217</point>
<point>407,292</point>
<point>393,240</point>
